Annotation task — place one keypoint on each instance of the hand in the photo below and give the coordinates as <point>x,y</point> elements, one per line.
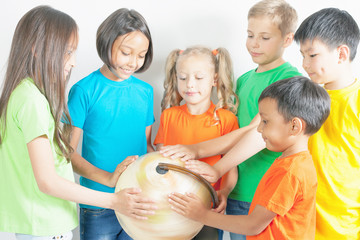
<point>184,152</point>
<point>222,203</point>
<point>129,202</point>
<point>205,170</point>
<point>188,205</point>
<point>113,178</point>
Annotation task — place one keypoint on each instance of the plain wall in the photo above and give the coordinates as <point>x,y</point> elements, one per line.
<point>173,24</point>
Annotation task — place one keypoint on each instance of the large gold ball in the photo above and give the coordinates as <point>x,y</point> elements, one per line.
<point>157,185</point>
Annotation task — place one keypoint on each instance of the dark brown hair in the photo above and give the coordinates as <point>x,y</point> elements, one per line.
<point>121,22</point>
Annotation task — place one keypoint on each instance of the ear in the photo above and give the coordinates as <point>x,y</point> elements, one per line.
<point>215,83</point>
<point>288,39</point>
<point>344,53</point>
<point>297,126</point>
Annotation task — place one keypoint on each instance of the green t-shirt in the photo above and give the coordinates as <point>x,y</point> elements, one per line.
<point>249,87</point>
<point>23,207</point>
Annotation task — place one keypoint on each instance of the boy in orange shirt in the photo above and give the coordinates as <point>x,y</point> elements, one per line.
<point>283,207</point>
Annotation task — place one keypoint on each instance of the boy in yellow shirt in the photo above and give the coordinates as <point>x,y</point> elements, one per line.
<point>328,42</point>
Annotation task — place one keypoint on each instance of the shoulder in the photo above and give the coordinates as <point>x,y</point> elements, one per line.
<point>228,120</point>
<point>28,93</point>
<point>172,110</point>
<point>141,83</point>
<point>87,81</point>
<point>246,75</point>
<point>226,114</point>
<point>301,166</point>
<point>287,70</point>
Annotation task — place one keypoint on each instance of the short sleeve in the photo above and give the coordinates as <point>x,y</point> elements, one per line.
<point>34,118</point>
<point>160,134</point>
<point>78,104</point>
<point>229,122</point>
<point>280,192</point>
<point>150,114</point>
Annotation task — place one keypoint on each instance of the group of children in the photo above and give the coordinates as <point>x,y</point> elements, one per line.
<point>289,172</point>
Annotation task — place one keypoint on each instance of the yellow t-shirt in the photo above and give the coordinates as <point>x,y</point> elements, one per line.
<point>335,149</point>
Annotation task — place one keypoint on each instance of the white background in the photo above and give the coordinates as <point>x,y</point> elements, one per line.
<point>173,24</point>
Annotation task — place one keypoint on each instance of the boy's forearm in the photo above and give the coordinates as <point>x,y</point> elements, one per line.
<point>238,224</point>
<point>250,225</point>
<point>228,181</point>
<point>220,145</point>
<point>249,144</point>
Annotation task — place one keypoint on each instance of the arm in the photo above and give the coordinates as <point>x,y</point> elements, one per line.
<point>86,169</point>
<point>216,146</point>
<point>127,201</point>
<point>228,183</point>
<point>190,206</point>
<point>250,143</point>
<point>150,147</point>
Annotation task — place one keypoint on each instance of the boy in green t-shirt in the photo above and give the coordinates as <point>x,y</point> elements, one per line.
<point>271,26</point>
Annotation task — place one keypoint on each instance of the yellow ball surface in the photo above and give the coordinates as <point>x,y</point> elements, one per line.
<point>165,224</point>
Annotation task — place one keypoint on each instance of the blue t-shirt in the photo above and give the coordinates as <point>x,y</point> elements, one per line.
<point>113,116</point>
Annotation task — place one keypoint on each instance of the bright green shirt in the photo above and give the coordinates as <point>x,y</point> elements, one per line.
<point>23,207</point>
<point>249,87</point>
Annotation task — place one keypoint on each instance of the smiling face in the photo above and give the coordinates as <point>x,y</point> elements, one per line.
<point>274,129</point>
<point>128,55</point>
<point>265,42</point>
<point>195,79</point>
<point>320,62</point>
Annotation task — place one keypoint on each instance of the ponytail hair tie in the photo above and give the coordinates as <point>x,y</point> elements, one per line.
<point>215,52</point>
<point>180,52</point>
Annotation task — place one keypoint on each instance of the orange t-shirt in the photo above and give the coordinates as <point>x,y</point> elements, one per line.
<point>288,189</point>
<point>178,126</point>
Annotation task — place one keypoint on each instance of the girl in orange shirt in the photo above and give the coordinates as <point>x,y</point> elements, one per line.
<point>191,75</point>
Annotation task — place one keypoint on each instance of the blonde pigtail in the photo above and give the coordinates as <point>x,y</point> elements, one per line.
<point>171,95</point>
<point>225,82</point>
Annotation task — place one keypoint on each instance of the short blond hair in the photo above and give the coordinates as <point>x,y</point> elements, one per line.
<point>281,13</point>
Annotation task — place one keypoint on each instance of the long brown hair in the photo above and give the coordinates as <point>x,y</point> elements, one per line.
<point>221,60</point>
<point>38,51</point>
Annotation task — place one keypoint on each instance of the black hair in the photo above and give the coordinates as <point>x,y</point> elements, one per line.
<point>300,97</point>
<point>331,26</point>
<point>121,22</point>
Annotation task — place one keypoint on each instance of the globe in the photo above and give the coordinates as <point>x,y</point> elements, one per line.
<point>159,176</point>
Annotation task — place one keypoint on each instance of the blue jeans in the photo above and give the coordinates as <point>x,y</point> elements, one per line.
<point>235,207</point>
<point>100,224</point>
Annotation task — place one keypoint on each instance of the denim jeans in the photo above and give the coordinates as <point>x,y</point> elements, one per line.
<point>65,236</point>
<point>100,224</point>
<point>235,207</point>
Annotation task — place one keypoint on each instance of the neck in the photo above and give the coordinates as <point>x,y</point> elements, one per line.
<point>198,109</point>
<point>110,74</point>
<point>344,80</point>
<point>300,144</point>
<point>268,66</point>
